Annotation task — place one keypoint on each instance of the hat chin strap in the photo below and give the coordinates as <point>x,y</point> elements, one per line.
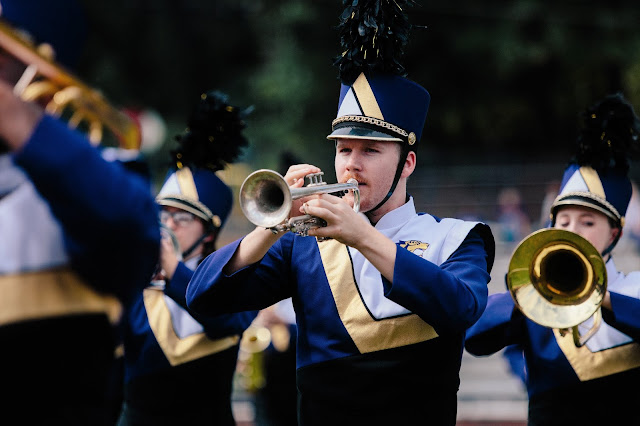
<point>613,243</point>
<point>396,179</point>
<point>187,252</point>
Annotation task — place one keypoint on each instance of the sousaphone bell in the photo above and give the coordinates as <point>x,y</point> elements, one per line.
<point>558,280</point>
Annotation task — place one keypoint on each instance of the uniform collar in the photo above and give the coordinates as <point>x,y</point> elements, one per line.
<point>397,217</point>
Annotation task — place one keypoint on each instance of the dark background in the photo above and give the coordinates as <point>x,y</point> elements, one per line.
<point>507,79</point>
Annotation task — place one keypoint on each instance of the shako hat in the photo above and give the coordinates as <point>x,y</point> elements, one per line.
<point>597,175</point>
<point>212,140</point>
<point>377,101</point>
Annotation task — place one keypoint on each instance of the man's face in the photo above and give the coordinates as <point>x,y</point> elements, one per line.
<point>372,163</point>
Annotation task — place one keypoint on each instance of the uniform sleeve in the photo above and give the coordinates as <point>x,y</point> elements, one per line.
<point>216,326</point>
<point>254,287</point>
<point>449,297</point>
<point>625,315</point>
<point>500,325</point>
<point>107,213</point>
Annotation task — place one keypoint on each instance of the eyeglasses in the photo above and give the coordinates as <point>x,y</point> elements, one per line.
<point>180,218</point>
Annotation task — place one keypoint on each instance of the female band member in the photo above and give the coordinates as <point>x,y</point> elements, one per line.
<point>179,366</point>
<point>595,383</point>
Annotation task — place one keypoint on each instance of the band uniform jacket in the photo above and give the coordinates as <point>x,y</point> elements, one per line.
<point>364,345</point>
<point>78,235</point>
<point>605,370</point>
<point>179,369</point>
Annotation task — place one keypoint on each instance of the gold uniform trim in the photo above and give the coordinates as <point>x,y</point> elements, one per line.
<point>366,98</point>
<point>368,334</point>
<point>593,181</point>
<point>186,183</point>
<point>179,351</point>
<point>593,365</point>
<point>51,293</point>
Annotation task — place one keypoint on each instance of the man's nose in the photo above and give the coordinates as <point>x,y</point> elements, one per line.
<point>353,162</point>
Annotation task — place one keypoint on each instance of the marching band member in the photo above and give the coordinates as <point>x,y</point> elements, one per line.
<point>78,235</point>
<point>595,383</point>
<point>381,305</point>
<point>179,366</point>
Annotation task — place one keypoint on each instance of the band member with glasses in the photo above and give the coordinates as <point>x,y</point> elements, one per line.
<point>595,383</point>
<point>78,236</point>
<point>179,366</point>
<point>382,304</point>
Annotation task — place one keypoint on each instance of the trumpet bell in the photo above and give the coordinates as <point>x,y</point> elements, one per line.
<point>265,198</point>
<point>557,278</point>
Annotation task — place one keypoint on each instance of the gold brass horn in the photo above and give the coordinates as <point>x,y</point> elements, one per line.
<point>266,200</point>
<point>44,80</point>
<point>558,280</point>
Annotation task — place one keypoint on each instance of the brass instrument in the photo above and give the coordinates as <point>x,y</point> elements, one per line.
<point>266,200</point>
<point>46,82</point>
<point>250,368</point>
<point>158,276</point>
<point>558,280</point>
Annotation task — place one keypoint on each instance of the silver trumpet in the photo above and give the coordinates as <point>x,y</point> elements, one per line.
<point>266,200</point>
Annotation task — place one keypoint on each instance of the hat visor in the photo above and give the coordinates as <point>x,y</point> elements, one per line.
<point>576,200</point>
<point>183,205</point>
<point>356,132</point>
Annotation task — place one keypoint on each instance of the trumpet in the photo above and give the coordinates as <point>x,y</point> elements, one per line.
<point>266,200</point>
<point>44,81</point>
<point>558,280</point>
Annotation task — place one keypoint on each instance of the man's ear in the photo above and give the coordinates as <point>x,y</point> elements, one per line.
<point>409,164</point>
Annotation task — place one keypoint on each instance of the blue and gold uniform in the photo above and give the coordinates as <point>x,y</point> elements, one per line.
<point>355,328</point>
<point>595,383</point>
<point>370,349</point>
<point>179,366</point>
<point>79,236</point>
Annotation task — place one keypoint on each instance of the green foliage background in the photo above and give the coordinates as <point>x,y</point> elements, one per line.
<point>507,79</point>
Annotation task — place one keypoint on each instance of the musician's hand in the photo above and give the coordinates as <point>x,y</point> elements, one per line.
<point>295,179</point>
<point>343,223</point>
<point>18,118</point>
<point>353,230</point>
<point>168,258</point>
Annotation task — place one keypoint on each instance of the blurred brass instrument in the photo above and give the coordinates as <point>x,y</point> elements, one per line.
<point>266,200</point>
<point>57,89</point>
<point>255,340</point>
<point>558,280</point>
<point>158,277</point>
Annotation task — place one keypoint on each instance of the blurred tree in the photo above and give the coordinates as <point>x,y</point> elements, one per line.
<point>507,79</point>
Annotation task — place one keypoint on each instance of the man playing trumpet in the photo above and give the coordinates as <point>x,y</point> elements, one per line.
<point>382,304</point>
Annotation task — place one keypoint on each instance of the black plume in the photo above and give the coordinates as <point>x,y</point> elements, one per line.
<point>213,137</point>
<point>609,137</point>
<point>373,36</point>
